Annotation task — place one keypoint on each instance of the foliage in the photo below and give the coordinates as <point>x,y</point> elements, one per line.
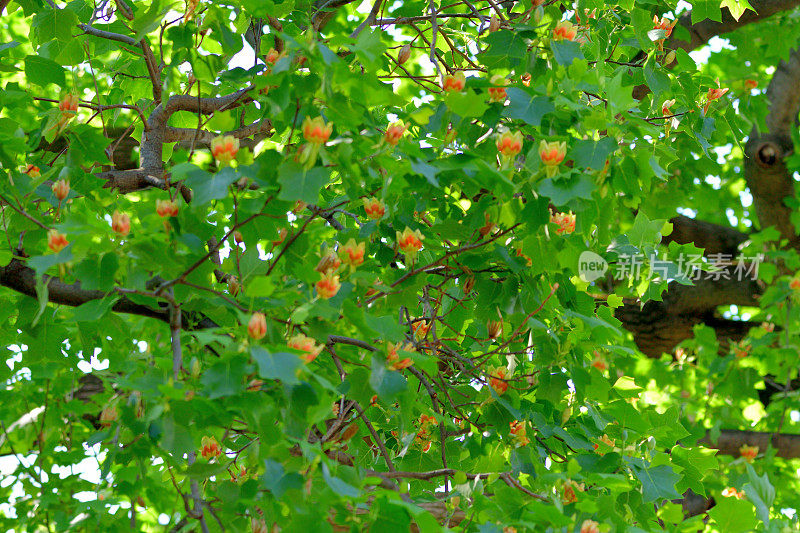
<point>455,369</point>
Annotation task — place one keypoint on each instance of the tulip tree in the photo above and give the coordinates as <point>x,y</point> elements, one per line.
<point>388,266</point>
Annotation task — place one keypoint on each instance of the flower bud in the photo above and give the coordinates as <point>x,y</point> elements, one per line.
<point>494,328</point>
<point>404,54</point>
<point>329,261</point>
<point>61,189</point>
<point>234,287</point>
<point>238,238</point>
<point>494,23</point>
<point>257,327</point>
<point>121,223</point>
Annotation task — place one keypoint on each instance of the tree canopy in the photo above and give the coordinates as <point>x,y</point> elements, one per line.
<point>486,266</point>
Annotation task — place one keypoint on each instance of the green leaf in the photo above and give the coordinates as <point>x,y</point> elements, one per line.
<point>337,485</point>
<point>657,483</point>
<point>761,492</point>
<point>466,104</point>
<point>387,383</point>
<point>733,515</point>
<point>300,184</point>
<point>736,7</point>
<point>54,24</point>
<point>280,365</point>
<point>206,186</point>
<point>706,9</point>
<point>94,310</point>
<point>368,47</point>
<point>224,378</point>
<point>592,154</point>
<point>43,71</point>
<point>565,52</point>
<point>522,106</point>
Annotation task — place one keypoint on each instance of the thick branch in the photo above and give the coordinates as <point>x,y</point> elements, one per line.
<point>658,327</point>
<point>730,440</point>
<point>704,30</point>
<point>766,173</point>
<point>713,238</point>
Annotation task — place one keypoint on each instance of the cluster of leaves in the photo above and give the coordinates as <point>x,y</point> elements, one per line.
<point>521,401</point>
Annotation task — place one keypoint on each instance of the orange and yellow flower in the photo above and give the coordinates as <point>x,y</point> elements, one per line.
<point>713,94</point>
<point>166,208</point>
<point>393,357</point>
<point>571,490</point>
<point>316,131</point>
<point>328,285</point>
<point>224,148</point>
<point>209,448</point>
<point>731,492</point>
<point>307,345</point>
<point>564,221</point>
<point>33,171</point>
<point>395,132</point>
<point>750,84</point>
<point>748,453</point>
<point>352,253</point>
<point>509,144</point>
<point>410,242</point>
<point>552,154</point>
<point>517,431</point>
<point>374,208</point>
<point>497,379</point>
<point>590,526</point>
<point>328,262</point>
<point>454,82</point>
<point>56,240</point>
<point>565,30</point>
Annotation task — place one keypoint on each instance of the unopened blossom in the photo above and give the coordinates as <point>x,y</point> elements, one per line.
<point>56,240</point>
<point>108,415</point>
<point>328,262</point>
<point>404,54</point>
<point>454,82</point>
<point>352,253</point>
<point>494,328</point>
<point>374,208</point>
<point>166,208</point>
<point>564,221</point>
<point>121,223</point>
<point>257,327</point>
<point>410,242</point>
<point>281,236</point>
<point>307,345</point>
<point>224,148</point>
<point>316,131</point>
<point>393,357</point>
<point>209,448</point>
<point>61,189</point>
<point>258,525</point>
<point>271,58</point>
<point>713,94</point>
<point>509,144</point>
<point>395,132</point>
<point>497,379</point>
<point>328,285</point>
<point>748,453</point>
<point>565,30</point>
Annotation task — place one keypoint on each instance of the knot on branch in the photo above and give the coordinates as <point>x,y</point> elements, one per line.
<point>767,154</point>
